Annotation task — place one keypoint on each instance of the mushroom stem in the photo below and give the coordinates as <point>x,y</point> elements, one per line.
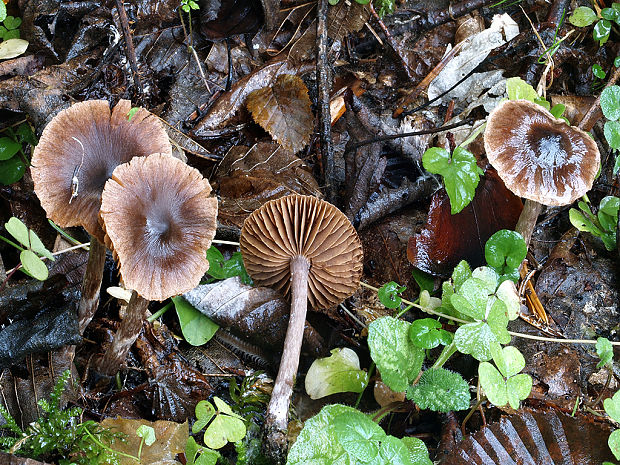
<point>126,335</point>
<point>527,220</point>
<point>91,285</point>
<point>276,421</point>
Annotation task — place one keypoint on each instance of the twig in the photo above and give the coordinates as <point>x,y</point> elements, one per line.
<point>129,48</point>
<point>325,128</point>
<point>453,12</point>
<point>591,117</point>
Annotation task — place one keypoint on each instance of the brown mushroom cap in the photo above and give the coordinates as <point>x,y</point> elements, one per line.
<point>159,220</point>
<point>538,156</point>
<point>303,225</point>
<point>88,140</point>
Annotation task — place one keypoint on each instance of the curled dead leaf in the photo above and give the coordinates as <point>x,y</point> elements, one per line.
<point>284,111</point>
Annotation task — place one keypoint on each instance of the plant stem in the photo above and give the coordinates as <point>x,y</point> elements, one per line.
<point>109,449</point>
<point>91,285</point>
<point>446,353</point>
<point>276,419</point>
<point>125,336</point>
<point>160,312</point>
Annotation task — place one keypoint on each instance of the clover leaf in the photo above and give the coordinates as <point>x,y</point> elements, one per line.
<point>426,333</point>
<point>504,252</point>
<point>389,294</point>
<point>440,390</point>
<point>610,102</point>
<point>397,358</point>
<point>505,386</point>
<point>226,426</point>
<point>460,174</point>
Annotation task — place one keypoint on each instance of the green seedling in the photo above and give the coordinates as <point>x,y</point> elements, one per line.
<point>389,294</point>
<point>146,435</point>
<point>518,89</point>
<point>187,5</point>
<point>426,333</point>
<point>339,434</point>
<point>584,16</point>
<point>605,352</point>
<point>13,160</point>
<point>601,225</point>
<point>505,386</point>
<point>340,372</point>
<point>10,28</point>
<point>459,171</point>
<point>504,252</point>
<point>220,268</point>
<point>32,249</point>
<point>440,390</point>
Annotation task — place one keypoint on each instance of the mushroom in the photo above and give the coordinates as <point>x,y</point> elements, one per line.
<point>159,221</point>
<point>76,155</point>
<point>539,157</point>
<point>307,248</point>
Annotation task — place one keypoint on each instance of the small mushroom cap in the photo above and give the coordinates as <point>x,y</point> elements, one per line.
<point>303,225</point>
<point>159,221</point>
<point>538,156</point>
<point>87,141</point>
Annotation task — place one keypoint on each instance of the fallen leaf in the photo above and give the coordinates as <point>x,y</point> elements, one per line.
<point>12,48</point>
<point>447,239</point>
<point>284,110</point>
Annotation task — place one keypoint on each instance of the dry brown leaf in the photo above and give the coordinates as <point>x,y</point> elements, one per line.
<point>284,111</point>
<point>171,439</point>
<point>250,177</point>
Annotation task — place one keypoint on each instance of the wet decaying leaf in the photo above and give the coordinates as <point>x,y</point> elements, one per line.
<point>171,439</point>
<point>8,459</point>
<point>229,103</point>
<point>447,239</point>
<point>534,438</point>
<point>251,176</point>
<point>174,387</point>
<point>284,111</point>
<point>258,314</point>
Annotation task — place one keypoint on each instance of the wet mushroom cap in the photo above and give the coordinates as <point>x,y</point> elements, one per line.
<point>159,221</point>
<point>87,141</point>
<point>538,156</point>
<point>303,225</point>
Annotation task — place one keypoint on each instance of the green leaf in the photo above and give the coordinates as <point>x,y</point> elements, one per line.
<point>197,328</point>
<point>460,174</point>
<point>397,358</point>
<point>340,372</point>
<point>207,457</point>
<point>583,16</point>
<point>425,281</point>
<point>204,412</point>
<point>393,452</point>
<point>146,432</point>
<point>617,62</point>
<point>517,88</point>
<point>220,268</point>
<point>472,298</point>
<point>504,252</point>
<point>598,72</point>
<point>605,351</point>
<point>601,31</point>
<point>612,406</point>
<point>498,321</point>
<point>493,384</point>
<point>12,22</point>
<point>26,135</point>
<point>224,429</point>
<point>460,274</point>
<point>612,134</point>
<point>488,276</point>
<point>18,230</point>
<point>132,112</point>
<point>507,293</point>
<point>508,360</point>
<point>610,13</point>
<point>2,11</point>
<point>610,102</point>
<point>440,390</point>
<point>608,213</point>
<point>418,452</point>
<point>191,450</point>
<point>616,165</point>
<point>426,333</point>
<point>475,339</point>
<point>11,170</point>
<point>558,110</point>
<point>8,148</point>
<point>33,265</point>
<point>614,443</point>
<point>358,435</point>
<point>333,2</point>
<point>518,388</point>
<point>389,294</point>
<point>37,246</point>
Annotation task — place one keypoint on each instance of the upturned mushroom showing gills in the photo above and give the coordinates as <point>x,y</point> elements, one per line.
<point>76,155</point>
<point>159,221</point>
<point>539,157</point>
<point>307,248</point>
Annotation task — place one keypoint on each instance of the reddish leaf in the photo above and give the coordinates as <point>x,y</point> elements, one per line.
<point>447,239</point>
<point>284,111</point>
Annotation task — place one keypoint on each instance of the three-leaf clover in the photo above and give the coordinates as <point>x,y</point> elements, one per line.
<point>34,249</point>
<point>460,174</point>
<point>226,426</point>
<point>389,294</point>
<point>505,386</point>
<point>612,408</point>
<point>426,333</point>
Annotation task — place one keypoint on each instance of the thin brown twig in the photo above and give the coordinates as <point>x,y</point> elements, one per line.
<point>129,48</point>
